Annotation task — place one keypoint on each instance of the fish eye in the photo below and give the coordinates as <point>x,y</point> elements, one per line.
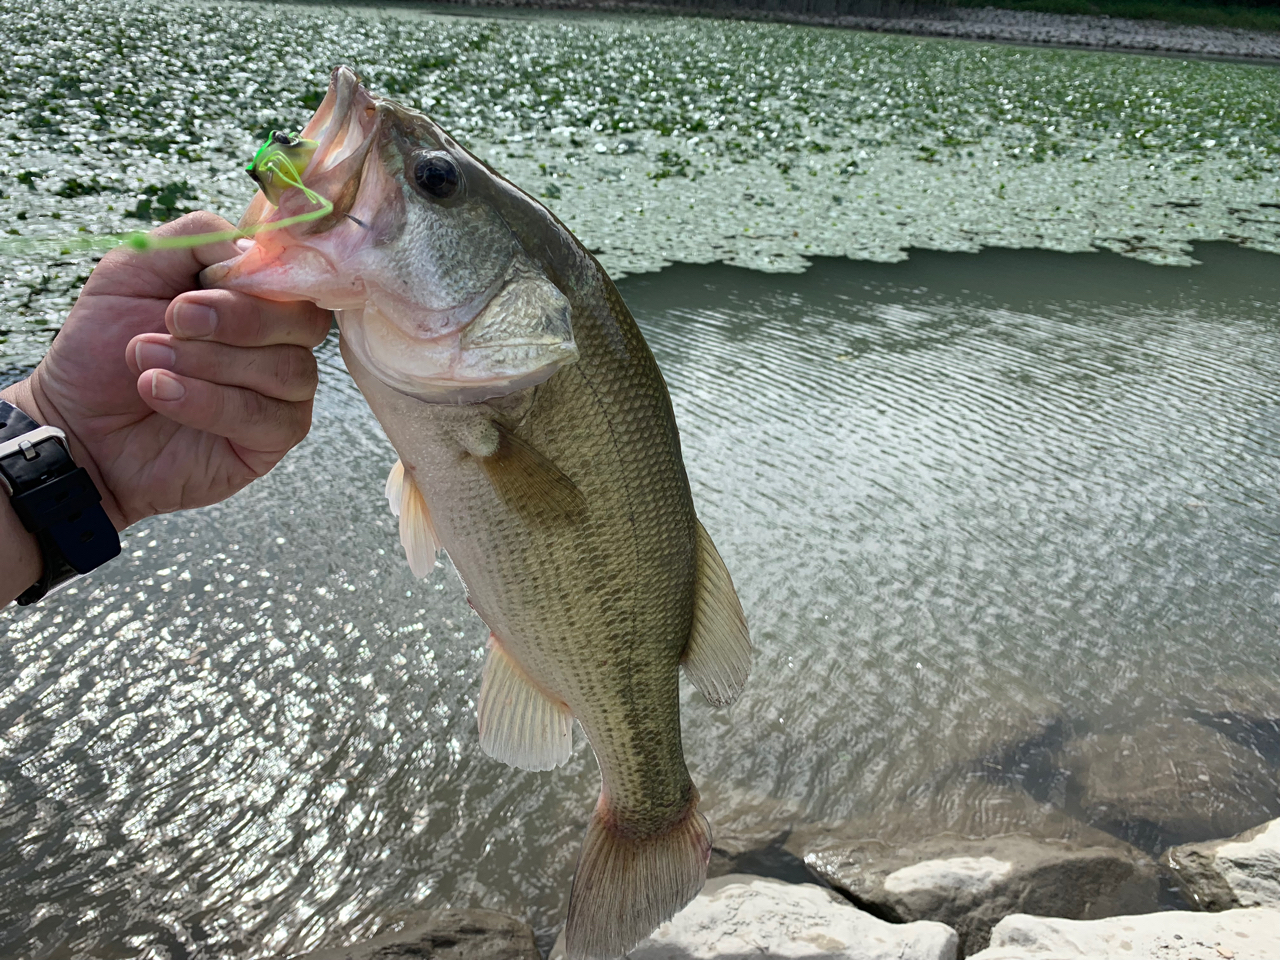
<point>437,176</point>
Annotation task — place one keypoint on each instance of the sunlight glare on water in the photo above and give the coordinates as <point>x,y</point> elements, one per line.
<point>984,512</point>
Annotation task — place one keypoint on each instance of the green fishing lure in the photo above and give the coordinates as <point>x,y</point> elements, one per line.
<point>277,167</point>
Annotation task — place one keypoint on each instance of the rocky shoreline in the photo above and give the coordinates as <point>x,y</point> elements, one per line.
<point>940,900</point>
<point>968,23</point>
<point>991,867</point>
<point>1064,30</point>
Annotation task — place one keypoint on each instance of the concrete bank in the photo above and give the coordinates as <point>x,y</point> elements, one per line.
<point>967,23</point>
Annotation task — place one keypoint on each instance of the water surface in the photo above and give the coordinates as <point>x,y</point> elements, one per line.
<point>992,517</point>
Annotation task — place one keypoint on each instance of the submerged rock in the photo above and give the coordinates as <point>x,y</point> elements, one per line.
<point>749,831</point>
<point>1170,781</point>
<point>1252,934</point>
<point>445,935</point>
<point>971,884</point>
<point>1241,872</point>
<point>740,915</point>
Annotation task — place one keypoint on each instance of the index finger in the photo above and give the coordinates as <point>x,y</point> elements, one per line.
<point>241,320</point>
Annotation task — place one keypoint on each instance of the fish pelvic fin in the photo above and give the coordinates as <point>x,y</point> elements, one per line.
<point>416,533</point>
<point>519,724</point>
<point>626,885</point>
<point>530,484</point>
<point>717,657</point>
<point>395,488</point>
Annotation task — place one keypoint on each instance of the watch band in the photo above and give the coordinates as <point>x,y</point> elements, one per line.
<point>55,500</point>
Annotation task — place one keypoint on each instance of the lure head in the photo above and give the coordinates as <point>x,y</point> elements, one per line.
<point>279,163</point>
<point>435,293</point>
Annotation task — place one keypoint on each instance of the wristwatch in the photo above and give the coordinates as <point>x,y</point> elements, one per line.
<point>55,500</point>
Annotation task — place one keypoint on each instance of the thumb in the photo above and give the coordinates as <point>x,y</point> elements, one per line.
<point>163,271</point>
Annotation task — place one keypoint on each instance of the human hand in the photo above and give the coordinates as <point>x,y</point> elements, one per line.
<point>174,397</point>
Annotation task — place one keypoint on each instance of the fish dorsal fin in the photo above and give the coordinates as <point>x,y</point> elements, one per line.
<point>529,483</point>
<point>718,656</point>
<point>519,724</point>
<point>417,535</point>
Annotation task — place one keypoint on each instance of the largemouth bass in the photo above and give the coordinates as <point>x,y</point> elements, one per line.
<point>538,448</point>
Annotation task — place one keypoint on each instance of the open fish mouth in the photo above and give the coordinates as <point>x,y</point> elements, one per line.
<point>343,129</point>
<point>434,293</point>
<point>346,128</point>
<point>343,126</point>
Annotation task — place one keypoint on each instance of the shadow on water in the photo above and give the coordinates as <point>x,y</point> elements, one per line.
<point>1259,734</point>
<point>1022,280</point>
<point>773,860</point>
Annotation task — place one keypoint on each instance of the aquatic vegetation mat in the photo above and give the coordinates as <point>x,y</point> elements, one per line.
<point>656,139</point>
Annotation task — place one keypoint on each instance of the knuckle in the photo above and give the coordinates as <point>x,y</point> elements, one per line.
<point>200,219</point>
<point>219,405</point>
<point>258,327</point>
<point>295,367</point>
<point>300,420</point>
<point>259,412</point>
<point>275,423</point>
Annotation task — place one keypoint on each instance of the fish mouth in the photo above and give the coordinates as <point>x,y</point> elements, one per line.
<point>442,345</point>
<point>344,127</point>
<point>349,202</point>
<point>287,262</point>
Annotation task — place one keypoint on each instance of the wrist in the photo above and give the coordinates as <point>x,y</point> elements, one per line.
<point>52,512</point>
<point>30,397</point>
<point>21,562</point>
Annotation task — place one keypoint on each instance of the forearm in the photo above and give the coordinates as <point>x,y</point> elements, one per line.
<point>20,559</point>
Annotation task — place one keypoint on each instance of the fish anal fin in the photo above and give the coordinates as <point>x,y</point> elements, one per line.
<point>519,724</point>
<point>416,532</point>
<point>718,656</point>
<point>529,483</point>
<point>627,885</point>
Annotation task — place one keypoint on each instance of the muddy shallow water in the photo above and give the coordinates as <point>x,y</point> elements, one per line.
<point>995,519</point>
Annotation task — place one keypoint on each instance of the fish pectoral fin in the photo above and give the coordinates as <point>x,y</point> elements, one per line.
<point>416,533</point>
<point>718,656</point>
<point>519,724</point>
<point>529,483</point>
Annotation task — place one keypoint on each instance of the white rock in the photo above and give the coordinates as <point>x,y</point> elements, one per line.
<point>1252,867</point>
<point>971,883</point>
<point>739,915</point>
<point>971,874</point>
<point>1243,871</point>
<point>1245,934</point>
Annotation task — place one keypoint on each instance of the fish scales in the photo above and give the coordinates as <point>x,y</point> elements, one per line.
<point>619,585</point>
<point>538,448</point>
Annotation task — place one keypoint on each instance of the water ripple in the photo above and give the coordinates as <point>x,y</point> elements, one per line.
<point>983,512</point>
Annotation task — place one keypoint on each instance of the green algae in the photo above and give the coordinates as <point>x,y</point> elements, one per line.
<point>656,139</point>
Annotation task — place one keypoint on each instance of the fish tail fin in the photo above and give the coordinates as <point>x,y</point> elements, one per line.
<point>625,886</point>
